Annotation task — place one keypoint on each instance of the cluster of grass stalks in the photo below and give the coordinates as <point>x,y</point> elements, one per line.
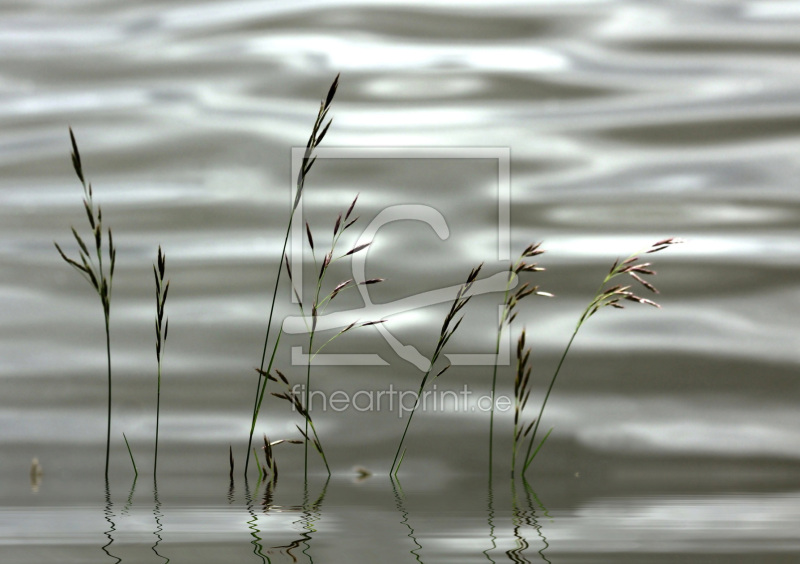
<point>607,295</point>
<point>319,301</point>
<point>298,406</point>
<point>318,305</point>
<point>101,277</point>
<point>318,132</point>
<point>99,274</point>
<point>509,313</point>
<point>270,468</point>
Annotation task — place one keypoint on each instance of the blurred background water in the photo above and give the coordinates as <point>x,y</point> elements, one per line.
<point>676,431</point>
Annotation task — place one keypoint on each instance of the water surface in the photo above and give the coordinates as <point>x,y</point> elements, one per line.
<point>675,431</point>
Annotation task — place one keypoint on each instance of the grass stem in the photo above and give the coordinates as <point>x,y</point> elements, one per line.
<point>449,327</point>
<point>92,269</point>
<point>162,329</point>
<point>108,419</point>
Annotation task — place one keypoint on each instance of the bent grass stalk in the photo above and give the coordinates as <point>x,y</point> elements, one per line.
<point>162,327</point>
<point>93,271</point>
<point>444,336</point>
<point>317,134</point>
<point>510,302</point>
<point>130,453</point>
<point>605,296</point>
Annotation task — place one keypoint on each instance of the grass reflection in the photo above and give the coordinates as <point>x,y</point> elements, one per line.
<point>309,511</point>
<point>108,514</point>
<point>399,499</point>
<point>157,515</point>
<point>278,532</point>
<point>490,518</point>
<point>525,516</point>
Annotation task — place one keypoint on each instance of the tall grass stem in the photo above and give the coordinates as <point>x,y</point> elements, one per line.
<point>92,269</point>
<point>317,134</point>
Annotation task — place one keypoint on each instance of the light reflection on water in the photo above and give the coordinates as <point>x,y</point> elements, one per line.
<point>627,123</point>
<point>325,521</point>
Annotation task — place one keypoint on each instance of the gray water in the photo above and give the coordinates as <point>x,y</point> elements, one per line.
<point>676,431</point>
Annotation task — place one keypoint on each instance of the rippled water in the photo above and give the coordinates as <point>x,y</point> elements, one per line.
<point>675,431</point>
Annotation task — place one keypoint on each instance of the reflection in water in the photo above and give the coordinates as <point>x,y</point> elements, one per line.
<point>231,492</point>
<point>399,498</point>
<point>310,514</point>
<point>252,523</point>
<point>269,495</point>
<point>490,521</point>
<point>157,515</point>
<point>127,508</point>
<point>109,517</point>
<point>525,517</point>
<point>309,517</point>
<point>519,526</point>
<point>265,516</point>
<point>521,517</point>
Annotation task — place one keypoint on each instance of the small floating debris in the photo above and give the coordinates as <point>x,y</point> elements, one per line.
<point>361,473</point>
<point>36,475</point>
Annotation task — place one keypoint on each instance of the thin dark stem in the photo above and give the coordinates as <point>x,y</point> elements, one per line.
<point>259,388</point>
<point>263,388</point>
<point>494,386</point>
<point>133,463</point>
<point>309,421</point>
<point>546,397</point>
<point>158,415</point>
<point>321,450</point>
<point>392,471</point>
<point>307,404</point>
<point>253,424</point>
<point>108,355</point>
